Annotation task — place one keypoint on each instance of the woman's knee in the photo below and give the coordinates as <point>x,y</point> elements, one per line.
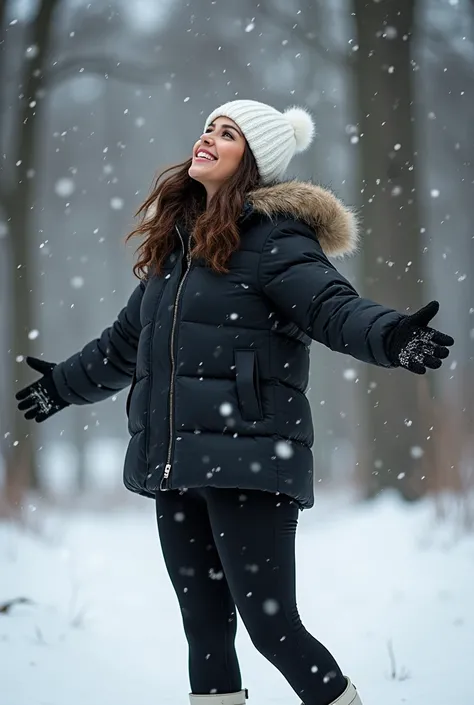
<point>204,628</point>
<point>273,634</point>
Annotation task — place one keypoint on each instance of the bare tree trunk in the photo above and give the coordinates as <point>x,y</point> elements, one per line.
<point>390,453</point>
<point>18,203</point>
<point>3,12</point>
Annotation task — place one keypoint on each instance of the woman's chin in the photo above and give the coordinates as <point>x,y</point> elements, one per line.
<point>195,172</point>
<point>198,173</point>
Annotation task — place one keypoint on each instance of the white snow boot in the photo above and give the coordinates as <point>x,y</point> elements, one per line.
<point>349,696</point>
<point>223,699</point>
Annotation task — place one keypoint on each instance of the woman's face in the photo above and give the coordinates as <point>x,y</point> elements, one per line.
<point>224,145</point>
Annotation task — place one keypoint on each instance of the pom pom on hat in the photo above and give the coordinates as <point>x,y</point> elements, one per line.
<point>303,126</point>
<point>273,137</point>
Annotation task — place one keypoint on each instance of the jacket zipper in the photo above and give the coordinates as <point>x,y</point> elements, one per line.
<point>165,479</point>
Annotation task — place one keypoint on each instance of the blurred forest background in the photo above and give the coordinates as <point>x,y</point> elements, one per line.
<point>97,97</point>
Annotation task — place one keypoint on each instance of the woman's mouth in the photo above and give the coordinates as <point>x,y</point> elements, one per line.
<point>203,156</point>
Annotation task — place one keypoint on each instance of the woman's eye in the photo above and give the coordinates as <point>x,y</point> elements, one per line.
<point>226,132</point>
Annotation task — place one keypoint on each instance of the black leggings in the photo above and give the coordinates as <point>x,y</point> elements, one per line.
<point>225,548</point>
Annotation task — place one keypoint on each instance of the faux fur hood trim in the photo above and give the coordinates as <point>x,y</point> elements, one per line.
<point>334,223</point>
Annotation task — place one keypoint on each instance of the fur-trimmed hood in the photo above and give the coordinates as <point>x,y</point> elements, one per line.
<point>335,224</point>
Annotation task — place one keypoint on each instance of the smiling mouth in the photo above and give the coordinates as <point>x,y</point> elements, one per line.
<point>204,159</point>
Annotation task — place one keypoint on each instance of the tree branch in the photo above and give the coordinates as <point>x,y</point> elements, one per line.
<point>310,39</point>
<point>107,67</point>
<point>438,37</point>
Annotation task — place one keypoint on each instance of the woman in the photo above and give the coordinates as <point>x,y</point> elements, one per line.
<point>234,285</point>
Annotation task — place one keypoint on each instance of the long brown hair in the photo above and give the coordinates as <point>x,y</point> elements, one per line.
<point>214,230</point>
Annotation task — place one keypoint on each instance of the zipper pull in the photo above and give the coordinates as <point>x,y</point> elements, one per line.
<point>164,479</point>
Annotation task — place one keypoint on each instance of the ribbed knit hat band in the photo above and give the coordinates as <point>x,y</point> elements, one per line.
<point>273,137</point>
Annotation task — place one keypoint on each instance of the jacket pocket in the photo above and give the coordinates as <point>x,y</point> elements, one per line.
<point>129,397</point>
<point>248,384</point>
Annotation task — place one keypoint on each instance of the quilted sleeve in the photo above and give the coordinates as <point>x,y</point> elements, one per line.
<point>106,364</point>
<point>308,290</point>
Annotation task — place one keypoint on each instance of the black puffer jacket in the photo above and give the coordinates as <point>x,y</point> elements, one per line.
<point>219,363</point>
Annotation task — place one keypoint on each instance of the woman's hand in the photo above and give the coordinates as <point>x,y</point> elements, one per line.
<point>40,400</point>
<point>412,344</point>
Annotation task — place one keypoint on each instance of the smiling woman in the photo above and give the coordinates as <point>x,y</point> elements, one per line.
<point>217,155</point>
<point>206,194</point>
<point>214,343</point>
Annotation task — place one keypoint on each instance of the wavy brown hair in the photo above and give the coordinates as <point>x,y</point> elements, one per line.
<point>178,197</point>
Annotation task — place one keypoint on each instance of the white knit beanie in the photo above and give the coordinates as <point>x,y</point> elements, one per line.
<point>272,136</point>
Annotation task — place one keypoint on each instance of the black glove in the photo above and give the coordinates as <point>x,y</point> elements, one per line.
<point>415,346</point>
<point>40,400</point>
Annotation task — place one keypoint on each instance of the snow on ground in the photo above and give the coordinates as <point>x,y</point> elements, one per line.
<point>104,627</point>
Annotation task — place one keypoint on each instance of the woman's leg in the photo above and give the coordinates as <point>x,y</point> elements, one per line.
<point>255,536</point>
<point>207,607</point>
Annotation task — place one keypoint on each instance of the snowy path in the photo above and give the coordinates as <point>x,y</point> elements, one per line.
<point>105,627</point>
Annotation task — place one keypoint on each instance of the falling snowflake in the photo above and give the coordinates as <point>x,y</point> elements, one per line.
<point>283,450</point>
<point>416,452</point>
<point>32,51</point>
<point>187,572</point>
<point>390,32</point>
<point>77,282</point>
<point>33,334</point>
<point>64,187</point>
<point>252,568</point>
<point>116,203</point>
<point>271,607</point>
<point>225,409</point>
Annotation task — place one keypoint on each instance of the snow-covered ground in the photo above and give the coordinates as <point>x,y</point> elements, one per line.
<point>377,583</point>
